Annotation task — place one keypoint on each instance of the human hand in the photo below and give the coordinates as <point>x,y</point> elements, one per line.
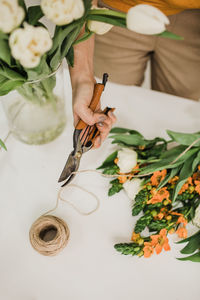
<point>82,95</point>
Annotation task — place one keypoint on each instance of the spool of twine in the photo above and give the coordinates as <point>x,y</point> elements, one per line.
<point>49,235</point>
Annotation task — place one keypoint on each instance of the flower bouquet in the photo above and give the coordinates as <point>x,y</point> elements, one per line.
<point>30,57</point>
<point>163,182</point>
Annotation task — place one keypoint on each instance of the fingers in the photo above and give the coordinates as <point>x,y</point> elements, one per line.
<point>104,129</point>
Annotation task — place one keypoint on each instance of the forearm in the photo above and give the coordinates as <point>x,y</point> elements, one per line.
<point>83,60</point>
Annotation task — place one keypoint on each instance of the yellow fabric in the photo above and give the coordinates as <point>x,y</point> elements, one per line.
<point>169,7</point>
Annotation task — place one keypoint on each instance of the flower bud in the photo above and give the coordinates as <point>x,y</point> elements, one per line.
<point>146,19</point>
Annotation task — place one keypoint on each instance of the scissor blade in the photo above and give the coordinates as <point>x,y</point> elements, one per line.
<point>69,167</point>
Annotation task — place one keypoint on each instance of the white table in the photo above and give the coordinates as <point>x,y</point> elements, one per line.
<point>89,268</point>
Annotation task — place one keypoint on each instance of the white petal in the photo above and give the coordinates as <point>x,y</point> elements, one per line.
<point>146,19</point>
<point>127,160</point>
<point>132,187</point>
<point>99,27</point>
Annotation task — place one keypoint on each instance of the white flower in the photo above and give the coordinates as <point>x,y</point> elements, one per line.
<point>62,12</point>
<point>196,219</point>
<point>146,19</point>
<point>132,187</point>
<point>127,160</point>
<point>11,15</point>
<point>28,44</point>
<point>98,27</point>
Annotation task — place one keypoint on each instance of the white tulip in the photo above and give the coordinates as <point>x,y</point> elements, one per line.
<point>62,12</point>
<point>132,187</point>
<point>146,19</point>
<point>196,219</point>
<point>11,15</point>
<point>127,160</point>
<point>98,27</point>
<point>28,44</point>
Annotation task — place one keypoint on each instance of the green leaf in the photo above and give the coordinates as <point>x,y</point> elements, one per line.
<point>184,138</point>
<point>194,258</point>
<point>166,163</point>
<point>9,85</point>
<point>70,57</point>
<point>5,53</point>
<point>125,130</point>
<point>196,161</point>
<point>157,225</point>
<point>192,245</point>
<point>3,145</point>
<point>111,170</point>
<point>116,187</point>
<point>35,13</point>
<point>173,152</point>
<point>186,171</point>
<point>109,160</point>
<point>85,37</point>
<point>170,35</point>
<point>108,19</point>
<point>10,73</point>
<point>129,139</point>
<point>69,40</point>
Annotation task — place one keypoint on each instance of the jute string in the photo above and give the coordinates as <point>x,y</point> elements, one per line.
<point>49,234</point>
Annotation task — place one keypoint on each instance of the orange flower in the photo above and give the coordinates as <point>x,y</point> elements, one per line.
<point>173,180</point>
<point>196,176</point>
<point>122,179</point>
<point>199,167</point>
<point>135,169</point>
<point>197,189</point>
<point>148,249</point>
<point>116,160</point>
<point>159,196</point>
<point>160,216</point>
<point>183,220</point>
<point>190,181</point>
<point>135,237</point>
<point>160,241</point>
<point>158,176</point>
<point>175,213</point>
<point>182,232</point>
<point>184,188</point>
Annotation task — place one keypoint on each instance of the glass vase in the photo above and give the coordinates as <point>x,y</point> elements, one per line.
<point>36,110</point>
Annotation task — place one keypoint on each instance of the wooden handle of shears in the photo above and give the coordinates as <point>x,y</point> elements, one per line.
<point>98,89</point>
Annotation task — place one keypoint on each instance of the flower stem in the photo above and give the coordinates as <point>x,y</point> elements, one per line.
<point>108,12</point>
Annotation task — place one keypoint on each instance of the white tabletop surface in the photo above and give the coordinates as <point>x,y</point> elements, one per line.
<point>89,268</point>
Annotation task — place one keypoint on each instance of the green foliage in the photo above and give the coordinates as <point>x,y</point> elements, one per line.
<point>128,248</point>
<point>140,201</point>
<point>34,14</point>
<point>5,54</point>
<point>109,161</point>
<point>193,244</point>
<point>116,187</point>
<point>120,130</point>
<point>185,172</point>
<point>157,225</point>
<point>143,222</point>
<point>170,35</point>
<point>2,145</point>
<point>184,138</point>
<point>111,170</point>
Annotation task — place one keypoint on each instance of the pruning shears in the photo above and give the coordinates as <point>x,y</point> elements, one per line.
<point>84,136</point>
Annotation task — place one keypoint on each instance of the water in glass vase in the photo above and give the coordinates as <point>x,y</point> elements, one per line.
<point>36,110</point>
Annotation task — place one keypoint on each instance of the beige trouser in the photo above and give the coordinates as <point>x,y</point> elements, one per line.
<point>175,64</point>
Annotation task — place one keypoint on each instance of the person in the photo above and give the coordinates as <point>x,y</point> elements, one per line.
<point>175,64</point>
